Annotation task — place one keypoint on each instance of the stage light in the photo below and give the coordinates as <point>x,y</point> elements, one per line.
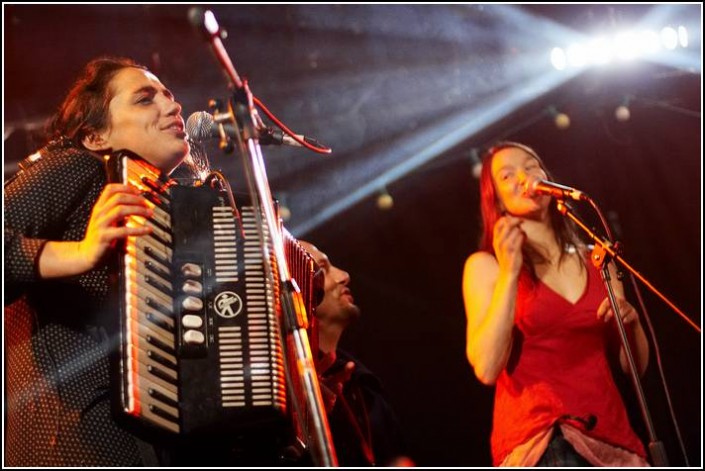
<point>669,38</point>
<point>650,42</point>
<point>558,58</point>
<point>577,55</point>
<point>683,36</point>
<point>599,51</point>
<point>625,46</point>
<point>385,202</point>
<point>525,79</point>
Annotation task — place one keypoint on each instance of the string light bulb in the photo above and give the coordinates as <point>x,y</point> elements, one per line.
<point>284,211</point>
<point>561,120</point>
<point>475,162</point>
<point>385,202</point>
<point>622,112</point>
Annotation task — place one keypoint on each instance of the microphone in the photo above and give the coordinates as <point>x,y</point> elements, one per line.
<point>201,126</point>
<point>537,186</point>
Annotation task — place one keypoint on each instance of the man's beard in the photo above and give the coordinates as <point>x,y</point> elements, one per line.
<point>351,312</point>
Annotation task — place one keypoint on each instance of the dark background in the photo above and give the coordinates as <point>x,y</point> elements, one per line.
<point>368,80</point>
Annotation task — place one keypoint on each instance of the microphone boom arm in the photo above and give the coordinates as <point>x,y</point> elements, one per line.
<point>611,253</point>
<point>207,25</point>
<point>293,310</point>
<point>603,252</point>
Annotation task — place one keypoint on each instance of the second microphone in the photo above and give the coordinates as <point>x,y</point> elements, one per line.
<point>201,126</point>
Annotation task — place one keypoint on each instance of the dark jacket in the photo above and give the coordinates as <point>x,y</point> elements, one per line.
<point>364,419</point>
<point>56,348</point>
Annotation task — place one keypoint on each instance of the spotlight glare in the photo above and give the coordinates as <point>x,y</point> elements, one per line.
<point>599,51</point>
<point>558,59</point>
<point>626,45</point>
<point>426,144</point>
<point>576,55</point>
<point>669,38</point>
<point>650,42</point>
<point>683,36</point>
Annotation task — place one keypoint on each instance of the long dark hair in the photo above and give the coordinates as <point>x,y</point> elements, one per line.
<point>491,209</point>
<point>85,109</point>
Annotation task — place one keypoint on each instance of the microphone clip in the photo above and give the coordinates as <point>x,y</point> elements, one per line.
<point>268,135</point>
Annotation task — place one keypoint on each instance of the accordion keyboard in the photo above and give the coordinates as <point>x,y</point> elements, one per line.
<point>200,341</point>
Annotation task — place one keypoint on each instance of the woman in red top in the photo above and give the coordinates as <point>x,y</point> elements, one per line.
<point>540,327</point>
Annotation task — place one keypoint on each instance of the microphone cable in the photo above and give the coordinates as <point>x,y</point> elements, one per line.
<point>315,148</point>
<point>652,332</point>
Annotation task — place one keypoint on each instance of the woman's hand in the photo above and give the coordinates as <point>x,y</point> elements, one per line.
<point>508,241</point>
<point>635,334</point>
<point>115,203</point>
<point>626,310</point>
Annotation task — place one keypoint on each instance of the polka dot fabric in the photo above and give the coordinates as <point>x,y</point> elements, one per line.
<point>56,346</point>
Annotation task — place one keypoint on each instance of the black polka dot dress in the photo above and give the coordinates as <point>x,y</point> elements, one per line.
<point>56,341</point>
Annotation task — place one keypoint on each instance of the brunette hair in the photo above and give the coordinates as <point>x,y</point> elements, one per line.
<point>85,109</point>
<point>491,209</point>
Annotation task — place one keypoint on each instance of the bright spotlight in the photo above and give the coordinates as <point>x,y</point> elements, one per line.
<point>626,45</point>
<point>599,51</point>
<point>576,55</point>
<point>649,42</point>
<point>558,58</point>
<point>683,36</point>
<point>669,38</point>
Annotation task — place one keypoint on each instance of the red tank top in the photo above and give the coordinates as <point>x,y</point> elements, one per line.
<point>559,366</point>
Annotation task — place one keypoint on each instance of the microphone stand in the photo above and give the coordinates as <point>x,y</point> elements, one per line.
<point>603,252</point>
<point>292,305</point>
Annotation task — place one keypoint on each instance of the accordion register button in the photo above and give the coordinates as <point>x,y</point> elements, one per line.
<point>192,304</point>
<point>191,269</point>
<point>194,337</point>
<point>192,287</point>
<point>192,322</point>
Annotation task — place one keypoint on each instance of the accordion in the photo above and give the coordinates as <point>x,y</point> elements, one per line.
<point>200,335</point>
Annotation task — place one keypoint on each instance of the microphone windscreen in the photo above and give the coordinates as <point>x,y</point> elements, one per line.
<point>199,126</point>
<point>530,183</point>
